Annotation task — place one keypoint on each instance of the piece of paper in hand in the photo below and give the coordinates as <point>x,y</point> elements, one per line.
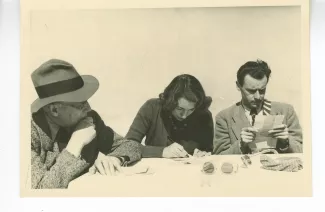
<point>263,139</point>
<point>259,121</point>
<point>262,145</point>
<point>278,120</point>
<point>268,124</point>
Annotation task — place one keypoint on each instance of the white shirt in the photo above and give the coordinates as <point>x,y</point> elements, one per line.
<point>264,112</point>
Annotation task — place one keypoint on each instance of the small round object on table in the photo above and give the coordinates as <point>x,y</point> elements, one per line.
<point>227,168</point>
<point>208,168</point>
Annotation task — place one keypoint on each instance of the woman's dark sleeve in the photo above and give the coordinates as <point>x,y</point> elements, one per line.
<point>201,134</point>
<point>139,129</point>
<point>204,134</point>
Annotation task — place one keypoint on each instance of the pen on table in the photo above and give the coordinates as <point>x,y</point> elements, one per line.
<point>170,139</point>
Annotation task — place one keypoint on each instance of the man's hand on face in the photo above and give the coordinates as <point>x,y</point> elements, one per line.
<point>84,133</point>
<point>106,165</point>
<point>84,123</point>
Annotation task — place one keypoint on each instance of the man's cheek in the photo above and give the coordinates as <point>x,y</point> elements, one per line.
<point>71,118</point>
<point>87,107</point>
<point>74,117</point>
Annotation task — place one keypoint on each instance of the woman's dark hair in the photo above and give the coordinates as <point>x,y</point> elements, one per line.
<point>257,70</point>
<point>188,87</point>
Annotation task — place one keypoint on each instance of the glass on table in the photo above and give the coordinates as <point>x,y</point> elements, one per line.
<point>208,172</point>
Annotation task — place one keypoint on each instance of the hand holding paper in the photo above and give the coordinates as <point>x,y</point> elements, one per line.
<point>248,134</point>
<point>280,132</point>
<point>269,129</point>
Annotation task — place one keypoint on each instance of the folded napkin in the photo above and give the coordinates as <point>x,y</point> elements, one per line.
<point>130,171</point>
<point>288,164</point>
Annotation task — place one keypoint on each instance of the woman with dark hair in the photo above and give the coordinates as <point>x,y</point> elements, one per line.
<point>176,124</point>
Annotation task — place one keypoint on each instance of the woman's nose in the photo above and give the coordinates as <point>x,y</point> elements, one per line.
<point>184,114</point>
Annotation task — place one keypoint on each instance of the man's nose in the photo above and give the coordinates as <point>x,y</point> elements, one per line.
<point>86,106</point>
<point>257,95</point>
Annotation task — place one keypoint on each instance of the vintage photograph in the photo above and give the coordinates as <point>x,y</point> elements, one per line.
<point>166,101</point>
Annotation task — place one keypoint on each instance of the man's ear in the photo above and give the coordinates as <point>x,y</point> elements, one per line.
<point>53,110</point>
<point>237,86</point>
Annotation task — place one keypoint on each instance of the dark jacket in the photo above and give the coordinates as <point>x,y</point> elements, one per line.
<point>151,122</point>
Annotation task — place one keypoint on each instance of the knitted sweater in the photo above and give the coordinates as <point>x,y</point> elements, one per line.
<point>52,168</point>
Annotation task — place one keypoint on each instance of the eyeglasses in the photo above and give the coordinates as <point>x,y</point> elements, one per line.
<point>76,105</point>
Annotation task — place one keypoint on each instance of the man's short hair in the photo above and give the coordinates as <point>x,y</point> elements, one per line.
<point>257,70</point>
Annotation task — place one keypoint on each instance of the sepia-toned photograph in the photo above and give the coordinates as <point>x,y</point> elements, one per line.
<point>165,100</point>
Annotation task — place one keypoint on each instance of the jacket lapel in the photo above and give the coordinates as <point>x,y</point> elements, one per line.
<point>43,130</point>
<point>46,141</point>
<point>240,120</point>
<point>275,111</point>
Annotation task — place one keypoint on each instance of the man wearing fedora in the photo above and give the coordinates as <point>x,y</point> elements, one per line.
<point>68,137</point>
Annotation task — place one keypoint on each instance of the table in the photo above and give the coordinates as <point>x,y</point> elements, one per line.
<point>173,178</point>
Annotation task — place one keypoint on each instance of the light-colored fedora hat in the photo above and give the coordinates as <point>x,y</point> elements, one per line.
<point>58,81</point>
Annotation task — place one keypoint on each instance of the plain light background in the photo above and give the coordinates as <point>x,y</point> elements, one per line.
<point>10,201</point>
<point>135,53</point>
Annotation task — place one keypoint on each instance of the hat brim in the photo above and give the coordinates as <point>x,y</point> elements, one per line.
<point>91,85</point>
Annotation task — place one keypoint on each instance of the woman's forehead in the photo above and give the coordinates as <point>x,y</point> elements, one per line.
<point>184,103</point>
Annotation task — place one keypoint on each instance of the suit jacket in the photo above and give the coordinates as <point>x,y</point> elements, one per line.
<point>230,122</point>
<point>52,168</point>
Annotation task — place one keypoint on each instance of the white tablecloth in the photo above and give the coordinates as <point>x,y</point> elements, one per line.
<point>174,178</point>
